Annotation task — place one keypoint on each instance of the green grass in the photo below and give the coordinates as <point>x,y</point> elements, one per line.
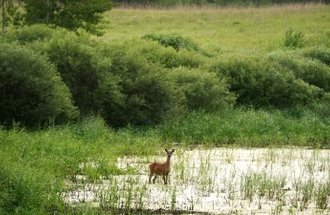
<point>249,128</point>
<point>225,29</point>
<point>35,164</point>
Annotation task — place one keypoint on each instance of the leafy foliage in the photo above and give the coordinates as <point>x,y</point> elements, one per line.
<point>28,34</point>
<point>201,90</point>
<point>260,83</point>
<point>72,15</point>
<point>155,53</point>
<point>147,95</point>
<point>319,53</point>
<point>311,71</point>
<point>141,82</point>
<point>83,70</point>
<point>31,91</point>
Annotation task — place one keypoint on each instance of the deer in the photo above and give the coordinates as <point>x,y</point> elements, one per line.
<point>162,169</point>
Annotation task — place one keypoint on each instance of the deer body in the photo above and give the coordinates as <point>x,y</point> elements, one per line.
<point>161,169</point>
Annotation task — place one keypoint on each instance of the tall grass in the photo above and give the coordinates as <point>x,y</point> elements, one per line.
<point>248,128</point>
<point>34,165</point>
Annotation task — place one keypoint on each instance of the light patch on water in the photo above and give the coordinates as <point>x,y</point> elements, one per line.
<point>217,181</point>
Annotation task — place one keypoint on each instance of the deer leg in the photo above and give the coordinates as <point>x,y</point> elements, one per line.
<point>164,178</point>
<point>153,181</point>
<point>167,180</point>
<point>150,176</point>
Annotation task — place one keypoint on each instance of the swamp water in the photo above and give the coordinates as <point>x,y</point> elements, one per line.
<point>217,181</point>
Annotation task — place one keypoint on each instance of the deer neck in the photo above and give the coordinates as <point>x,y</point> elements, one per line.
<point>168,161</point>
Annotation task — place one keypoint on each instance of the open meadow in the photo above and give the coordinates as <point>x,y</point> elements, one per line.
<point>241,93</point>
<point>224,29</point>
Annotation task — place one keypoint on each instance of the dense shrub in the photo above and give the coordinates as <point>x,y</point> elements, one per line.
<point>175,41</point>
<point>320,53</point>
<point>31,90</point>
<point>29,34</point>
<point>201,90</point>
<point>311,71</point>
<point>257,82</point>
<point>155,53</point>
<point>82,69</point>
<point>147,97</point>
<point>68,14</point>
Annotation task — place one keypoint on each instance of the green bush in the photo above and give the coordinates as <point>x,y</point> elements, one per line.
<point>147,97</point>
<point>68,14</point>
<point>320,53</point>
<point>202,90</point>
<point>311,71</point>
<point>82,69</point>
<point>293,39</point>
<point>175,41</point>
<point>259,83</point>
<point>31,90</point>
<point>165,57</point>
<point>28,34</point>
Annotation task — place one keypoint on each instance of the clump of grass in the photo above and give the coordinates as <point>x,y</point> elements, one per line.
<point>262,185</point>
<point>307,193</point>
<point>173,199</point>
<point>322,194</point>
<point>248,186</point>
<point>110,198</point>
<point>141,192</point>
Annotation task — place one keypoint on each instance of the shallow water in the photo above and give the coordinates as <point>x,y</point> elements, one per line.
<point>218,181</point>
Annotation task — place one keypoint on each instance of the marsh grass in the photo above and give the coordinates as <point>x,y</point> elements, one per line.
<point>173,199</point>
<point>73,157</point>
<point>258,128</point>
<point>307,193</point>
<point>322,195</point>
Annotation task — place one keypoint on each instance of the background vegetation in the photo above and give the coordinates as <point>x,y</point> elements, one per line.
<point>214,77</point>
<point>212,2</point>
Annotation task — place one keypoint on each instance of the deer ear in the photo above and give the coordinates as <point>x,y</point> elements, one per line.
<point>173,150</point>
<point>166,150</point>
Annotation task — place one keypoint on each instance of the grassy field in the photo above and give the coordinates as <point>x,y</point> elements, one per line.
<point>86,163</point>
<point>225,29</point>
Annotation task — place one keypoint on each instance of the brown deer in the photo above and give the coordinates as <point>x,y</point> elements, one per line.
<point>162,169</point>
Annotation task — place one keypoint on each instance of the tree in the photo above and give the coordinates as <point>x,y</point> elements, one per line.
<point>3,20</point>
<point>69,14</point>
<point>10,13</point>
